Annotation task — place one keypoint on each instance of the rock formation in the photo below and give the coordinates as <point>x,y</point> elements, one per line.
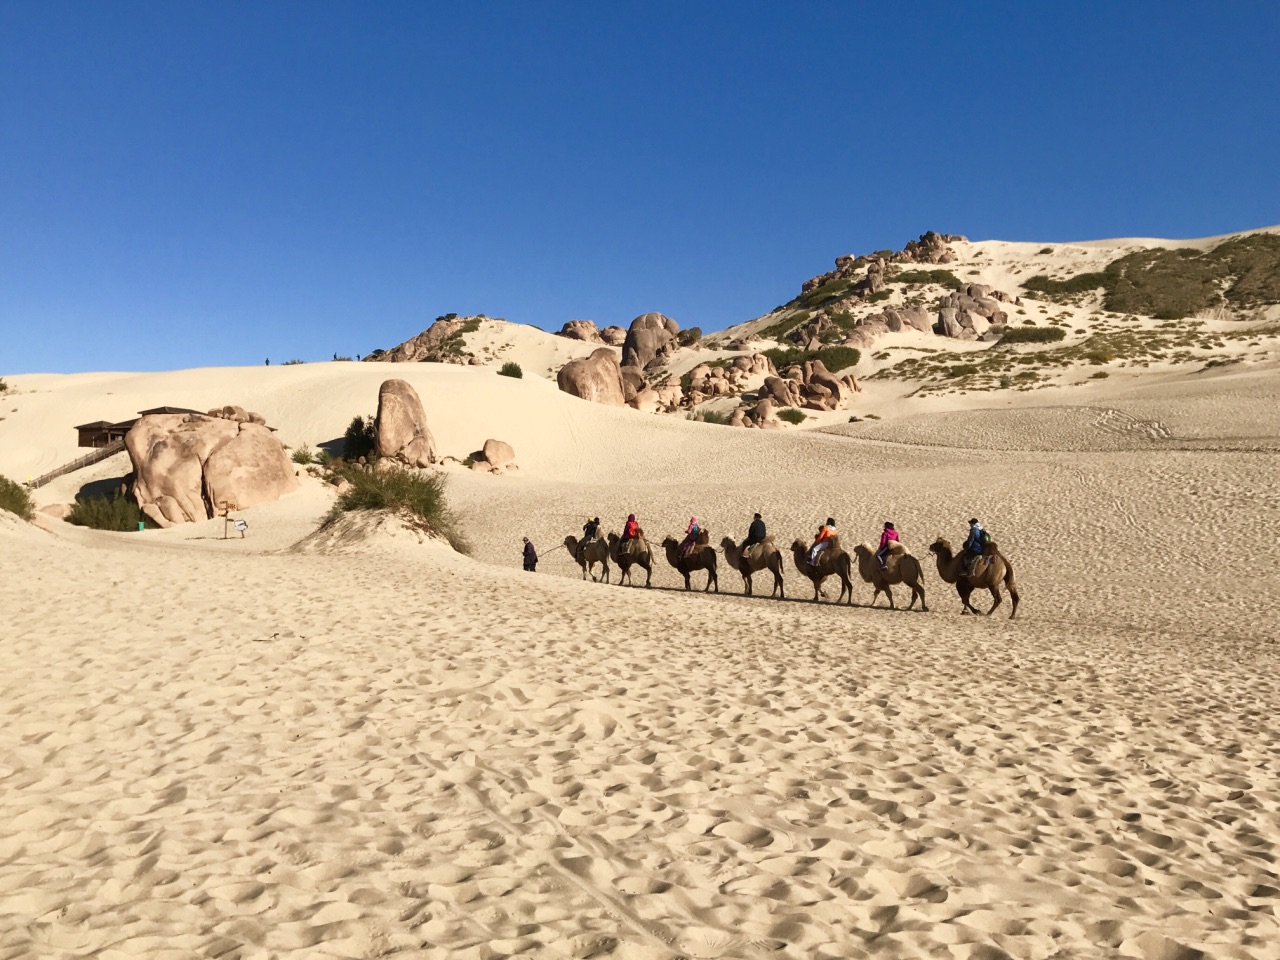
<point>650,340</point>
<point>614,336</point>
<point>584,330</point>
<point>597,378</point>
<point>186,465</point>
<point>968,314</point>
<point>441,342</point>
<point>401,426</point>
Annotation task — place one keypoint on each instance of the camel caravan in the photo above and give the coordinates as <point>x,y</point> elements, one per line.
<point>978,565</point>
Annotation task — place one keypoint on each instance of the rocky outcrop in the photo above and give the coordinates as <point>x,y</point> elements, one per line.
<point>401,426</point>
<point>597,378</point>
<point>707,381</point>
<point>584,330</point>
<point>442,342</point>
<point>932,247</point>
<point>186,465</point>
<point>650,340</point>
<point>614,336</point>
<point>969,313</point>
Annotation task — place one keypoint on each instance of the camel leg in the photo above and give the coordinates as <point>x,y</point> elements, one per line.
<point>918,590</point>
<point>995,592</point>
<point>746,584</point>
<point>777,586</point>
<point>712,579</point>
<point>966,591</point>
<point>648,574</point>
<point>686,580</point>
<point>889,593</point>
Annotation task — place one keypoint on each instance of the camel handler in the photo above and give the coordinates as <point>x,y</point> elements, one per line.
<point>826,533</point>
<point>530,556</point>
<point>755,534</point>
<point>590,531</point>
<point>887,537</point>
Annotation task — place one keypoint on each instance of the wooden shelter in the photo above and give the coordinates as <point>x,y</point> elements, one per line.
<point>102,433</point>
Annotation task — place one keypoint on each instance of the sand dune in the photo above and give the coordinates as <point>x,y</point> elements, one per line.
<point>364,744</point>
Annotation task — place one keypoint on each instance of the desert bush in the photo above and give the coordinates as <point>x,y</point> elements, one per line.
<point>4,387</point>
<point>511,369</point>
<point>292,363</point>
<point>322,458</point>
<point>117,512</point>
<point>303,455</point>
<point>831,290</point>
<point>839,358</point>
<point>1033,335</point>
<point>880,297</point>
<point>360,439</point>
<point>710,416</point>
<point>469,326</point>
<point>419,497</point>
<point>1102,375</point>
<point>687,338</point>
<point>1045,250</point>
<point>943,278</point>
<point>792,415</point>
<point>15,499</point>
<point>779,329</point>
<point>962,370</point>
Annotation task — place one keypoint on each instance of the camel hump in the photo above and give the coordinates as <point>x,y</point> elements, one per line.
<point>896,548</point>
<point>704,537</point>
<point>756,551</point>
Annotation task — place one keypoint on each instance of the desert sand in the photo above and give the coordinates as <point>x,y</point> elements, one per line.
<point>363,744</point>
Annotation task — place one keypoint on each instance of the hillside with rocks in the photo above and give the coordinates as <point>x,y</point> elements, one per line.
<point>942,315</point>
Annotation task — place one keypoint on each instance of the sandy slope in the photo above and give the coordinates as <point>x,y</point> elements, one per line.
<point>232,748</point>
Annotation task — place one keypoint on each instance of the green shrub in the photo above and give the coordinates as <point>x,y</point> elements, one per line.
<point>292,363</point>
<point>943,278</point>
<point>1033,335</point>
<point>511,369</point>
<point>15,499</point>
<point>710,416</point>
<point>779,329</point>
<point>419,497</point>
<point>687,338</point>
<point>1045,250</point>
<point>4,387</point>
<point>1100,375</point>
<point>360,439</point>
<point>833,358</point>
<point>831,290</point>
<point>468,326</point>
<point>303,455</point>
<point>323,458</point>
<point>962,370</point>
<point>792,415</point>
<point>118,512</point>
<point>880,297</point>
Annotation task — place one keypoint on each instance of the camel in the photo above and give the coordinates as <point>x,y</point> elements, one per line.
<point>701,557</point>
<point>760,557</point>
<point>989,575</point>
<point>637,554</point>
<point>901,567</point>
<point>833,561</point>
<point>595,551</point>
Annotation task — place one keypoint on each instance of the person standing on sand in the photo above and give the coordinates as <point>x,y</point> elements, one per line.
<point>530,557</point>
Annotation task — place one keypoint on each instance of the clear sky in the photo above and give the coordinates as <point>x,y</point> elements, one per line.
<point>188,184</point>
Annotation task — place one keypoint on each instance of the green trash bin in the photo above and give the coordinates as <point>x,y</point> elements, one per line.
<point>141,526</point>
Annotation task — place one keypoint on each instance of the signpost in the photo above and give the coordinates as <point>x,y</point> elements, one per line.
<point>225,507</point>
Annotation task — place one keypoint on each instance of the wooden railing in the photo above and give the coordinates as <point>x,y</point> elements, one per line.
<point>98,455</point>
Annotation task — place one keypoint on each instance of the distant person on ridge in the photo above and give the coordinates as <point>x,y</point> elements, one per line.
<point>530,557</point>
<point>690,536</point>
<point>755,534</point>
<point>888,536</point>
<point>826,533</point>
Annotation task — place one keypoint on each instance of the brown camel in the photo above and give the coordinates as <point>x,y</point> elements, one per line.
<point>701,557</point>
<point>832,561</point>
<point>593,552</point>
<point>988,576</point>
<point>634,553</point>
<point>760,557</point>
<point>900,567</point>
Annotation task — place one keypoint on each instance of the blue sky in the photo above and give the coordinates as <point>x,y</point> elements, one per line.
<point>191,184</point>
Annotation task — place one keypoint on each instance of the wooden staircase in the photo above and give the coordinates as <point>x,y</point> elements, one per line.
<point>97,456</point>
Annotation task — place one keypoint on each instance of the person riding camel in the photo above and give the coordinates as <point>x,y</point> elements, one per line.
<point>690,536</point>
<point>974,545</point>
<point>755,534</point>
<point>826,533</point>
<point>630,529</point>
<point>887,537</point>
<point>590,530</point>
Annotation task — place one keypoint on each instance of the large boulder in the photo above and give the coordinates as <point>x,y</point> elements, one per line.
<point>401,425</point>
<point>614,336</point>
<point>187,465</point>
<point>497,453</point>
<point>584,330</point>
<point>597,378</point>
<point>650,340</point>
